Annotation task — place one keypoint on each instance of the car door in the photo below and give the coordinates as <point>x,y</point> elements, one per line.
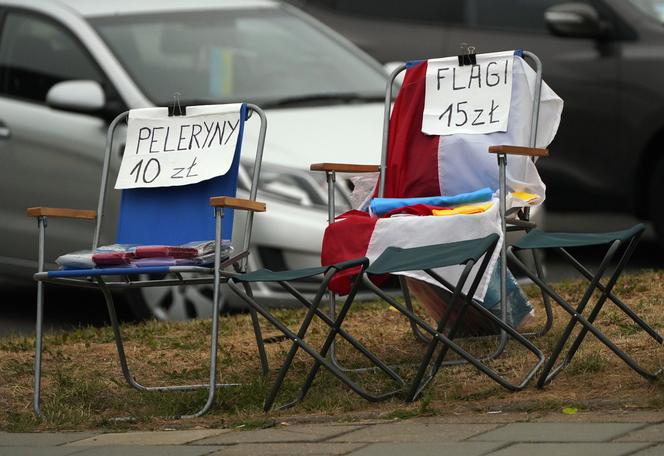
<point>49,157</point>
<point>582,71</point>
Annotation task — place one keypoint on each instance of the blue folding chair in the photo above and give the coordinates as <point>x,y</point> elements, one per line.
<point>161,216</point>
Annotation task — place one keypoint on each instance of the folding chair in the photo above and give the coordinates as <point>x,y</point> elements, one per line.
<point>298,338</point>
<point>620,246</point>
<point>518,220</point>
<point>155,216</point>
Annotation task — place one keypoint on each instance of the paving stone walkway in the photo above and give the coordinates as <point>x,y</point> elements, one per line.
<point>638,434</point>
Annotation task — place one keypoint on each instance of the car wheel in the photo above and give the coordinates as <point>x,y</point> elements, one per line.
<point>171,303</point>
<point>656,203</point>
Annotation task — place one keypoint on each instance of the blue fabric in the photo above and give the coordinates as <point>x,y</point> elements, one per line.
<point>96,272</point>
<point>518,52</point>
<point>177,215</point>
<point>517,302</point>
<point>380,206</point>
<point>412,63</point>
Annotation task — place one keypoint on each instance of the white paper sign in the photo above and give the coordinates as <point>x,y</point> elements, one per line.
<point>163,151</point>
<point>471,99</point>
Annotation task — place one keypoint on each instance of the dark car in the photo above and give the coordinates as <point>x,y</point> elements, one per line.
<point>605,58</point>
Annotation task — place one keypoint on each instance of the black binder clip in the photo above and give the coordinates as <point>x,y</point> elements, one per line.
<point>469,58</point>
<point>177,109</point>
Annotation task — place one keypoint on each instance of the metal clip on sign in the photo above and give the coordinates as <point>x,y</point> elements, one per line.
<point>469,57</point>
<point>181,110</point>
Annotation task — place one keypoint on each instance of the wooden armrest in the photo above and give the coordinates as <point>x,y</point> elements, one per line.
<point>344,168</point>
<point>518,150</point>
<point>61,212</point>
<point>237,203</point>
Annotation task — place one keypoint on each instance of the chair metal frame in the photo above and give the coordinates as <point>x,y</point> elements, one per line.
<point>298,338</point>
<point>437,335</point>
<point>211,276</point>
<point>550,370</point>
<point>512,224</point>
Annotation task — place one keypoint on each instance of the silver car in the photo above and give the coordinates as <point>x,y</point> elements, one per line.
<point>68,66</point>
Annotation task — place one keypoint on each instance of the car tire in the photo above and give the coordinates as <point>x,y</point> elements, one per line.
<point>656,208</point>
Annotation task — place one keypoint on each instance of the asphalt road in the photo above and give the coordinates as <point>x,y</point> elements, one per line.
<point>69,309</point>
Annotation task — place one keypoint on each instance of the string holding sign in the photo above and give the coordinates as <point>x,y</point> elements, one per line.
<point>179,146</point>
<point>472,98</point>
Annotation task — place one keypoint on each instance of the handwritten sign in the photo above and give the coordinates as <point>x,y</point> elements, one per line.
<point>163,151</point>
<point>471,99</point>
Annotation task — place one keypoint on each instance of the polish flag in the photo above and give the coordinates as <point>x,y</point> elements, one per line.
<point>421,165</point>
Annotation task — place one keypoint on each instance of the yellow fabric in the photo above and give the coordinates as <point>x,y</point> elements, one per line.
<point>527,197</point>
<point>468,209</point>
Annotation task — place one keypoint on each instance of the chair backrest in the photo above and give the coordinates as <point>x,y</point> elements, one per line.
<point>175,215</point>
<point>415,164</point>
<point>179,214</point>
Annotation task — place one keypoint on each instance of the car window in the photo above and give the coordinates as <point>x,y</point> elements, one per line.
<point>517,15</point>
<point>258,55</point>
<point>36,53</point>
<point>654,8</point>
<point>415,10</point>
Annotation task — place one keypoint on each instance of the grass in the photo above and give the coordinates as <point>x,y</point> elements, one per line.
<point>83,387</point>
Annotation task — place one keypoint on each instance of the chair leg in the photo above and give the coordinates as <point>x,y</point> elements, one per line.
<point>310,350</point>
<point>214,344</point>
<point>451,345</point>
<point>39,329</point>
<point>408,313</point>
<point>39,324</point>
<point>419,335</point>
<point>506,331</point>
<point>418,384</point>
<point>477,362</point>
<point>336,329</point>
<point>262,354</point>
<point>546,302</point>
<point>260,345</point>
<point>285,367</point>
<point>549,372</point>
<point>607,292</point>
<point>621,305</point>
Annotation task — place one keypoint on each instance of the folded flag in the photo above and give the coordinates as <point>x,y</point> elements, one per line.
<point>165,251</point>
<point>468,209</point>
<point>380,206</point>
<point>418,209</point>
<point>526,197</point>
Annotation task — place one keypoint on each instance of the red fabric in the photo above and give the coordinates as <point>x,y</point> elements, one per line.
<point>165,251</point>
<point>412,156</point>
<point>412,171</point>
<point>415,209</point>
<point>343,240</point>
<point>112,258</point>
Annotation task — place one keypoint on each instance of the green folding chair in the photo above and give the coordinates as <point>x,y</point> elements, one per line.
<point>298,338</point>
<point>470,253</point>
<point>621,245</point>
<point>515,219</point>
